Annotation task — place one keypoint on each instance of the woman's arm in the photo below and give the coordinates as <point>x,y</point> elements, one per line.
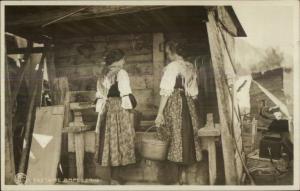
<point>167,84</point>
<point>162,104</point>
<point>159,118</point>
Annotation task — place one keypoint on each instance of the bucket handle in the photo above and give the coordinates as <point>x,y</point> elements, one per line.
<point>149,128</point>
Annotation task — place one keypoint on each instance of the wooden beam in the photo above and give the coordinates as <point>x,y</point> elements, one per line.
<point>50,68</point>
<point>9,152</point>
<point>168,21</point>
<point>223,102</point>
<point>61,96</point>
<point>22,72</point>
<point>105,26</point>
<point>41,18</point>
<point>158,64</point>
<point>159,20</point>
<point>25,50</point>
<point>140,18</point>
<point>38,101</point>
<point>28,129</point>
<point>121,26</point>
<point>64,16</point>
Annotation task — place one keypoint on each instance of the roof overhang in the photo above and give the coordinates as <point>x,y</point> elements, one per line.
<point>42,23</point>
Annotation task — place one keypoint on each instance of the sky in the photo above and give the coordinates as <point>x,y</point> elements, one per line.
<point>268,26</point>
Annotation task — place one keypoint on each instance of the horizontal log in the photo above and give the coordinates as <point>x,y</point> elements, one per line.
<point>147,114</point>
<point>145,68</point>
<point>141,82</point>
<point>78,129</point>
<point>67,50</point>
<point>81,124</point>
<point>72,40</point>
<point>144,96</point>
<point>76,96</point>
<point>105,38</point>
<point>139,58</point>
<point>76,60</point>
<point>130,45</point>
<point>77,71</point>
<point>145,125</point>
<point>89,138</point>
<point>81,106</point>
<point>82,83</point>
<point>24,50</point>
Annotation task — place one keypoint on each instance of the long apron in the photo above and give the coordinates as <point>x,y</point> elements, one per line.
<point>116,136</point>
<point>182,122</point>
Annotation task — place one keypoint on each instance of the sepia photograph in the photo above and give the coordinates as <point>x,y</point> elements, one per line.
<point>129,95</point>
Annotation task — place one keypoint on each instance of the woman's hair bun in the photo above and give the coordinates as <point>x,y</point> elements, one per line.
<point>178,47</point>
<point>113,56</point>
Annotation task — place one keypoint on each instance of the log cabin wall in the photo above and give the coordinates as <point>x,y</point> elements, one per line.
<point>82,72</point>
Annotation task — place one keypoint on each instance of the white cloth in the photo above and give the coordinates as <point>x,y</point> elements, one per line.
<point>242,89</point>
<point>124,87</point>
<point>189,76</point>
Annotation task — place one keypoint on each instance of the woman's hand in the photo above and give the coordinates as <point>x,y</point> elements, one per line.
<point>159,121</point>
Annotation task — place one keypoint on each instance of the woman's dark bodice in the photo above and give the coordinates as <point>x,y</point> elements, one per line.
<point>179,83</point>
<point>114,90</point>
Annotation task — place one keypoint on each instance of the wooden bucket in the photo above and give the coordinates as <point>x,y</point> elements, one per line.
<point>153,148</point>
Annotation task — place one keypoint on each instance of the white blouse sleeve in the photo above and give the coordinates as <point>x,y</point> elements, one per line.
<point>192,88</point>
<point>168,79</point>
<point>124,88</point>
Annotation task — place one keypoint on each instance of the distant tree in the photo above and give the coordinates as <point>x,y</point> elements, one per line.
<point>273,58</point>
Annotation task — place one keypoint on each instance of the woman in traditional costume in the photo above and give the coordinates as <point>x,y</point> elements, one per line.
<point>177,115</point>
<point>114,101</point>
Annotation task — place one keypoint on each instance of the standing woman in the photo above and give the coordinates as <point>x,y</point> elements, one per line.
<point>114,101</point>
<point>177,114</point>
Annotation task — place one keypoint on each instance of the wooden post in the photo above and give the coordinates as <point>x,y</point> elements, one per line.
<point>28,129</point>
<point>208,135</point>
<point>253,133</point>
<point>216,51</point>
<point>158,63</point>
<point>50,68</point>
<point>79,148</point>
<point>9,152</point>
<point>61,97</point>
<point>40,75</point>
<point>23,69</point>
